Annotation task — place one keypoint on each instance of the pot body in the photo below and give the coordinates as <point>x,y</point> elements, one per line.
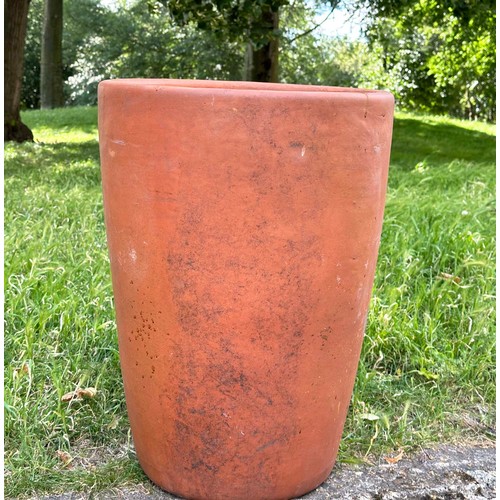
<point>243,225</point>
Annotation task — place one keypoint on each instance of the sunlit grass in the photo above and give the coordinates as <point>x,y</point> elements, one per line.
<point>427,369</point>
<point>60,332</point>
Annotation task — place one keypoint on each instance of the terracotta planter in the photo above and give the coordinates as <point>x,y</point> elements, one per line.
<point>243,225</point>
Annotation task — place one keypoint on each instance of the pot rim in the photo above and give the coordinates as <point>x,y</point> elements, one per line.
<point>226,85</point>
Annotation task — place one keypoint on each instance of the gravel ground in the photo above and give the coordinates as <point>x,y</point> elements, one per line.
<point>445,473</point>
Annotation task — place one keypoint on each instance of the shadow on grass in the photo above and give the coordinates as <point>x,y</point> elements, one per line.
<point>65,164</point>
<point>415,140</point>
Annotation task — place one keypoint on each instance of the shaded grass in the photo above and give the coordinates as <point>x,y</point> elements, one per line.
<point>427,368</point>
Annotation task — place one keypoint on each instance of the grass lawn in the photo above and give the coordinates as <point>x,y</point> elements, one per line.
<point>428,362</point>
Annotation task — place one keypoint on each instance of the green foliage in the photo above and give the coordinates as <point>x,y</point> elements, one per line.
<point>434,56</point>
<point>141,42</point>
<point>234,20</point>
<point>30,90</point>
<point>427,368</point>
<point>437,56</point>
<point>81,19</point>
<point>302,58</point>
<point>325,61</point>
<point>310,58</point>
<point>133,41</point>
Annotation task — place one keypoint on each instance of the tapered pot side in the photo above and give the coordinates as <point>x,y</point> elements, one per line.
<point>243,224</point>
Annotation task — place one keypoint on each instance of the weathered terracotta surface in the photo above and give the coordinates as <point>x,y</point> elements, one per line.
<point>243,225</point>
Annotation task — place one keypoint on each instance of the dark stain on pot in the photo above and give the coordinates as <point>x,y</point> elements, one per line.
<point>211,468</point>
<point>267,445</point>
<point>197,411</point>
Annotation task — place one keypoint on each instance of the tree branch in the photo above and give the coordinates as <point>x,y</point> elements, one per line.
<point>310,30</point>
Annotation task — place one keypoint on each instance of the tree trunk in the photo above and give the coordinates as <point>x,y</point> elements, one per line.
<point>261,64</point>
<point>51,79</point>
<point>16,20</point>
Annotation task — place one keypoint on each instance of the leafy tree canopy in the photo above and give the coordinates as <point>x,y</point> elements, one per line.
<point>228,18</point>
<point>435,56</point>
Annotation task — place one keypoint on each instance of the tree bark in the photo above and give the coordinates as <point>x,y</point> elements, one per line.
<point>261,64</point>
<point>51,79</point>
<point>16,20</point>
